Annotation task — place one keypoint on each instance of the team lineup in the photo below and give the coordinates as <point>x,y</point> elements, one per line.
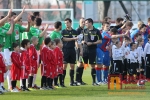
<point>111,50</point>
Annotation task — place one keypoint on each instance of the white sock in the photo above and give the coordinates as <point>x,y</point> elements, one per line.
<point>1,87</point>
<point>34,79</point>
<point>9,79</point>
<point>20,83</point>
<point>27,83</point>
<point>2,84</point>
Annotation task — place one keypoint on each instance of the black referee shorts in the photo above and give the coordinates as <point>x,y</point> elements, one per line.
<point>133,68</point>
<point>69,55</point>
<point>89,55</point>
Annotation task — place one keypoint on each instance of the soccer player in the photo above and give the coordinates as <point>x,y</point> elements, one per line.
<point>105,46</point>
<point>16,66</point>
<point>2,68</point>
<point>79,53</point>
<point>52,67</point>
<point>56,33</point>
<point>45,59</point>
<point>117,55</point>
<point>147,57</point>
<point>133,66</point>
<point>26,63</point>
<point>140,52</point>
<point>92,37</point>
<point>69,49</point>
<point>59,61</point>
<point>33,60</point>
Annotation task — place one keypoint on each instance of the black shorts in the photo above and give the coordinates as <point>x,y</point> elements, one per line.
<point>147,59</point>
<point>117,67</point>
<point>89,55</point>
<point>133,68</point>
<point>69,55</point>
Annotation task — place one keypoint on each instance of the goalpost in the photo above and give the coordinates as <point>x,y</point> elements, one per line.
<point>56,13</point>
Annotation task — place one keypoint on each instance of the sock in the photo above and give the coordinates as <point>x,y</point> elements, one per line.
<point>64,74</point>
<point>1,89</point>
<point>102,73</point>
<point>77,74</point>
<point>48,82</point>
<point>30,79</point>
<point>105,74</point>
<point>60,79</point>
<point>2,84</point>
<point>98,74</point>
<point>8,79</point>
<point>43,81</point>
<point>51,82</point>
<point>21,83</point>
<point>15,83</point>
<point>93,74</point>
<point>24,83</point>
<point>12,84</point>
<point>138,75</point>
<point>56,81</point>
<point>71,76</point>
<point>81,73</point>
<point>34,79</point>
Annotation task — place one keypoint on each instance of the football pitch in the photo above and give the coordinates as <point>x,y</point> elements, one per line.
<point>86,92</point>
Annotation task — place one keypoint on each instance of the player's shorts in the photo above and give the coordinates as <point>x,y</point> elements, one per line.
<point>7,57</point>
<point>89,55</point>
<point>133,68</point>
<point>33,70</point>
<point>106,60</point>
<point>116,67</point>
<point>69,55</point>
<point>24,73</point>
<point>99,56</point>
<point>147,59</point>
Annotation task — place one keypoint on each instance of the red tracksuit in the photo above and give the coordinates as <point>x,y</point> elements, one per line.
<point>16,66</point>
<point>59,60</point>
<point>33,59</point>
<point>26,63</point>
<point>45,61</point>
<point>53,64</point>
<point>2,67</point>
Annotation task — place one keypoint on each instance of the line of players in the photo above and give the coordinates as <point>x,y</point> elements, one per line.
<point>109,50</point>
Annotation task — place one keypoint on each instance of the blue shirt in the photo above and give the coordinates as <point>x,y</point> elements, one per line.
<point>106,40</point>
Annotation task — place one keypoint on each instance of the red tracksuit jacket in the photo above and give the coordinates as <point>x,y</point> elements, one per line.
<point>33,59</point>
<point>16,66</point>
<point>26,63</point>
<point>59,60</point>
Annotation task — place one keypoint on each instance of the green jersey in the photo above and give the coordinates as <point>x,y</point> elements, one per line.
<point>35,32</point>
<point>3,32</point>
<point>55,35</point>
<point>15,36</point>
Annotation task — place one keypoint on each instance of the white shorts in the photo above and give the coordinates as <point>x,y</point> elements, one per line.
<point>7,57</point>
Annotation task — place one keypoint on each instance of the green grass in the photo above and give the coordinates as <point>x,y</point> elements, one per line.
<point>87,92</point>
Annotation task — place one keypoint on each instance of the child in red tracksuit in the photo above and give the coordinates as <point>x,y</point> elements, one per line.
<point>59,61</point>
<point>33,60</point>
<point>52,67</point>
<point>26,63</point>
<point>2,68</point>
<point>15,67</point>
<point>45,64</point>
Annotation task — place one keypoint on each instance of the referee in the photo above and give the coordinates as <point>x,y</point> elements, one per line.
<point>69,38</point>
<point>91,38</point>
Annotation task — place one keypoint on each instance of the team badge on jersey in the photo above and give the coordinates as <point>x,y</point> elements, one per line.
<point>92,37</point>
